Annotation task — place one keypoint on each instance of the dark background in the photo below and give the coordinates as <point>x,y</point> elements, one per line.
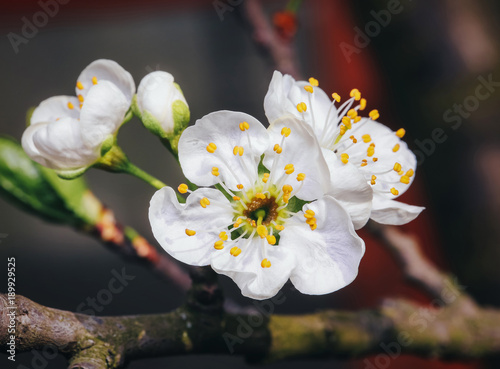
<point>427,58</point>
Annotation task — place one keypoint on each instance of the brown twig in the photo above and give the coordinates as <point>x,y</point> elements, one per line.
<point>281,51</point>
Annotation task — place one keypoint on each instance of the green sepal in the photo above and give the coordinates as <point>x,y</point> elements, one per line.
<point>40,191</point>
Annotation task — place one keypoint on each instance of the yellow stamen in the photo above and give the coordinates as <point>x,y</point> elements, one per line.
<point>314,82</point>
<point>223,236</point>
<point>344,158</point>
<point>410,173</point>
<point>287,188</point>
<point>354,140</point>
<point>405,179</point>
<point>218,245</point>
<point>94,80</point>
<point>357,119</point>
<point>235,251</point>
<point>244,126</point>
<point>285,131</point>
<point>279,227</point>
<point>80,98</point>
<point>313,226</point>
<point>356,94</point>
<point>308,89</point>
<point>308,214</point>
<point>395,148</point>
<point>236,198</point>
<point>265,177</point>
<point>265,263</point>
<point>70,105</point>
<point>373,179</point>
<point>362,104</point>
<point>352,113</point>
<point>238,150</point>
<point>237,223</point>
<point>397,167</point>
<point>190,232</point>
<point>311,221</point>
<point>286,198</point>
<point>374,114</point>
<point>183,188</point>
<point>400,132</point>
<point>375,159</point>
<point>366,138</point>
<point>271,240</point>
<point>277,148</point>
<point>260,196</point>
<point>346,121</point>
<point>79,85</point>
<point>262,231</point>
<point>204,202</point>
<point>370,151</point>
<point>336,97</point>
<point>239,186</point>
<point>215,171</point>
<point>211,147</point>
<point>301,107</point>
<point>289,169</point>
<point>394,191</point>
<point>301,177</point>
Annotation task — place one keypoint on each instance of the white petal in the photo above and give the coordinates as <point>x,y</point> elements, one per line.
<point>276,102</point>
<point>55,108</point>
<point>156,94</point>
<point>350,188</point>
<point>385,140</point>
<point>393,212</point>
<point>246,270</point>
<point>102,113</point>
<point>106,70</point>
<point>169,220</point>
<point>222,129</point>
<point>328,257</point>
<point>301,149</point>
<point>58,145</point>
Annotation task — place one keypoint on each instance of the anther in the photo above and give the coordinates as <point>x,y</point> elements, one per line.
<point>215,171</point>
<point>374,177</point>
<point>285,131</point>
<point>354,140</point>
<point>394,191</point>
<point>190,232</point>
<point>301,177</point>
<point>308,89</point>
<point>239,186</point>
<point>287,188</point>
<point>362,104</point>
<point>271,240</point>
<point>397,167</point>
<point>219,245</point>
<point>308,214</point>
<point>204,202</point>
<point>260,196</point>
<point>235,251</point>
<point>370,151</point>
<point>313,226</point>
<point>183,188</point>
<point>366,138</point>
<point>262,231</point>
<point>405,179</point>
<point>238,150</point>
<point>344,158</point>
<point>70,105</point>
<point>356,94</point>
<point>244,126</point>
<point>94,80</point>
<point>374,114</point>
<point>336,97</point>
<point>265,263</point>
<point>311,221</point>
<point>80,98</point>
<point>357,119</point>
<point>301,107</point>
<point>289,169</point>
<point>410,173</point>
<point>79,85</point>
<point>395,148</point>
<point>223,236</point>
<point>400,132</point>
<point>352,113</point>
<point>265,177</point>
<point>279,227</point>
<point>314,82</point>
<point>211,147</point>
<point>277,148</point>
<point>236,198</point>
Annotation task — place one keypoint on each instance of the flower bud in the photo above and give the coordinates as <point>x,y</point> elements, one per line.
<point>162,107</point>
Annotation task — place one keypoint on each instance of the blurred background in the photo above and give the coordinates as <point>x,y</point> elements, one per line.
<point>429,66</point>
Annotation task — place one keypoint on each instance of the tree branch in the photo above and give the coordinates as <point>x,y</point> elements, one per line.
<point>451,332</point>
